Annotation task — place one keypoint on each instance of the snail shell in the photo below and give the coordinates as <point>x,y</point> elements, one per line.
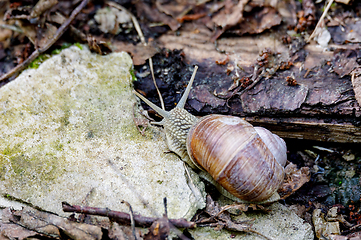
<point>247,161</point>
<point>237,157</point>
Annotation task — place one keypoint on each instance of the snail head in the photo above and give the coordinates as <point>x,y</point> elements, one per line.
<point>176,122</point>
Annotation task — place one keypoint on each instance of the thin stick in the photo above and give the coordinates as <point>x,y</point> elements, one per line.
<point>320,21</point>
<point>142,39</point>
<point>38,51</point>
<point>155,84</point>
<point>12,28</point>
<point>196,192</point>
<point>165,207</point>
<point>122,217</point>
<point>132,224</point>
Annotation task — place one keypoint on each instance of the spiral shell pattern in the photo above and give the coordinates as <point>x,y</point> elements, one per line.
<point>247,161</point>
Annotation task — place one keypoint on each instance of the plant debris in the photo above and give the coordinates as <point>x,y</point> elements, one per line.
<point>219,217</point>
<point>30,222</point>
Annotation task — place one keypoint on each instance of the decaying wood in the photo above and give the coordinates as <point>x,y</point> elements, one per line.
<point>312,129</point>
<point>321,104</point>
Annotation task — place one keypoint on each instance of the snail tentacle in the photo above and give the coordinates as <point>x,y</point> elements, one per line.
<point>160,111</point>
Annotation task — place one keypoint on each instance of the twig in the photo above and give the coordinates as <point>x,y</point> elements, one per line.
<point>155,83</point>
<point>165,207</point>
<point>180,223</point>
<point>11,27</point>
<point>320,21</point>
<point>132,224</point>
<point>38,51</point>
<point>122,217</point>
<point>196,192</point>
<point>255,79</point>
<point>142,39</point>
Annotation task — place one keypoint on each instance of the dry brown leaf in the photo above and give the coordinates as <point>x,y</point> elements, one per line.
<point>41,7</point>
<point>159,230</point>
<point>98,46</point>
<point>258,22</point>
<point>175,8</point>
<point>228,17</point>
<point>51,225</point>
<point>345,61</point>
<point>221,218</point>
<point>140,53</point>
<point>45,34</point>
<point>32,21</point>
<point>144,10</point>
<point>9,230</point>
<point>294,179</point>
<point>116,232</point>
<point>325,228</point>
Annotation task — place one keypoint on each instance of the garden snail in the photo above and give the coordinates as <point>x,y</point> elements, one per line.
<point>247,161</point>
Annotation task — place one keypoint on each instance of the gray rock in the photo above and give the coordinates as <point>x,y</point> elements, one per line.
<point>281,224</point>
<point>67,134</point>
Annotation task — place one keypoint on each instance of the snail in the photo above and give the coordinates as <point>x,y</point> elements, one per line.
<point>245,161</point>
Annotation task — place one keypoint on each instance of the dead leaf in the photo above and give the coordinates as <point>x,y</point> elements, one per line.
<point>345,61</point>
<point>144,10</point>
<point>159,230</point>
<point>139,52</point>
<point>9,230</point>
<point>176,8</point>
<point>53,225</point>
<point>31,25</point>
<point>324,228</point>
<point>115,232</point>
<point>45,34</point>
<point>294,179</point>
<point>111,20</point>
<point>231,15</point>
<point>21,12</point>
<point>219,218</point>
<point>258,22</point>
<point>287,9</point>
<point>98,46</point>
<point>228,17</point>
<point>40,8</point>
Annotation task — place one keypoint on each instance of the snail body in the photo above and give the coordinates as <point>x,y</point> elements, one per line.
<point>248,162</point>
